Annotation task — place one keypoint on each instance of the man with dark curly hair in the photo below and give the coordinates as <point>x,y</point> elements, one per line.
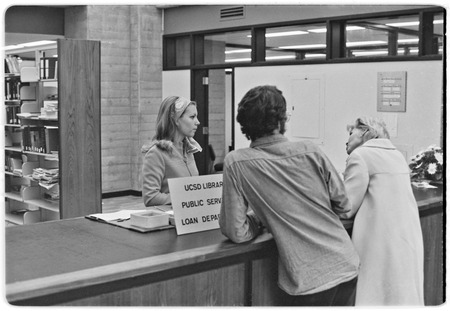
<point>292,190</point>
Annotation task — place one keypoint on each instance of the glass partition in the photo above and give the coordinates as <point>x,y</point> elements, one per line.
<point>383,37</point>
<point>296,42</point>
<point>228,47</point>
<point>438,32</point>
<point>408,34</point>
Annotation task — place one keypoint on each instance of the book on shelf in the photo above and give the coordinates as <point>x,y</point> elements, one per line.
<point>52,139</point>
<point>7,67</point>
<point>12,86</point>
<point>33,139</point>
<point>12,65</point>
<point>40,139</point>
<point>11,114</point>
<point>48,67</point>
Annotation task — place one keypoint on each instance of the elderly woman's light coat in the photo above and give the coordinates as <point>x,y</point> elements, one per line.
<point>386,231</point>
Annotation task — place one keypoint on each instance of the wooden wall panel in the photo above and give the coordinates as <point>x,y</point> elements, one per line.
<point>218,287</point>
<point>265,290</point>
<point>79,115</point>
<point>432,231</point>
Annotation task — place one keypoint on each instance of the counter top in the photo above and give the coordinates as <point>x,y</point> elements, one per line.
<point>49,257</point>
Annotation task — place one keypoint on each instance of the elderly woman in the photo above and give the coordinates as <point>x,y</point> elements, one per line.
<point>386,230</point>
<point>171,153</point>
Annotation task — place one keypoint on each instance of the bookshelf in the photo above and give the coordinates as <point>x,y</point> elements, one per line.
<point>52,132</point>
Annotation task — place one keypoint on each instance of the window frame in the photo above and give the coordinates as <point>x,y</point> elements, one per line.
<point>335,42</point>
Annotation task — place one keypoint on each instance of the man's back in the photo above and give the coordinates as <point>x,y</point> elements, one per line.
<point>296,192</point>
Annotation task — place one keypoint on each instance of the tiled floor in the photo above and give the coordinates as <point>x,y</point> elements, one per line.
<point>119,203</point>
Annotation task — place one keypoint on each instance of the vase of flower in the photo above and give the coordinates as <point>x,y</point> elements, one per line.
<point>427,165</point>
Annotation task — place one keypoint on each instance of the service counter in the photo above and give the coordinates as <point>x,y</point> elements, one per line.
<point>83,262</point>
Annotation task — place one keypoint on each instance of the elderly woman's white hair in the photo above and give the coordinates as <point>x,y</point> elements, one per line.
<point>376,128</point>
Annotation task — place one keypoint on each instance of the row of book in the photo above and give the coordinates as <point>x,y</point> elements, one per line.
<point>11,114</point>
<point>12,87</point>
<point>40,139</point>
<point>12,65</point>
<point>48,68</point>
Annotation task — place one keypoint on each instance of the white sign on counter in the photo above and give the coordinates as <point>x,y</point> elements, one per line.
<point>196,202</point>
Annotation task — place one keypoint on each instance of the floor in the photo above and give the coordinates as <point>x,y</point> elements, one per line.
<point>120,203</point>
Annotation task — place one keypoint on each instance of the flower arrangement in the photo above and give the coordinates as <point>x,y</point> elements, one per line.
<point>427,164</point>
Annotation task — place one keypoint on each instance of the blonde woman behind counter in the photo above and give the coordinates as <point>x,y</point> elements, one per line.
<point>171,152</point>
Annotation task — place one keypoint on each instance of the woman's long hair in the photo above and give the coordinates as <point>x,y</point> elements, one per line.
<point>165,122</point>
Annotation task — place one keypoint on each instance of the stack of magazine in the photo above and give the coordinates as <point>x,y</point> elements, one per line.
<point>46,177</point>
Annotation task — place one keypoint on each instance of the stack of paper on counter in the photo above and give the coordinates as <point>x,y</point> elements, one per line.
<point>121,218</point>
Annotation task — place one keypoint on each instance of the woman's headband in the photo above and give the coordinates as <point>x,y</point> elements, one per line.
<point>180,106</point>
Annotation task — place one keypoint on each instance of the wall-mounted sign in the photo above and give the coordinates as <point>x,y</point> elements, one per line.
<point>196,202</point>
<point>392,91</point>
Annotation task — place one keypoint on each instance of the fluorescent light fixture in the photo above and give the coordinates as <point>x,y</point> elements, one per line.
<point>286,33</point>
<point>13,47</point>
<point>238,51</point>
<point>348,28</point>
<point>38,43</point>
<point>318,30</point>
<point>315,55</point>
<point>238,60</point>
<point>415,23</point>
<point>403,24</point>
<point>280,57</point>
<point>367,53</point>
<point>29,44</point>
<point>359,43</point>
<point>304,46</point>
<point>413,40</point>
<point>283,33</point>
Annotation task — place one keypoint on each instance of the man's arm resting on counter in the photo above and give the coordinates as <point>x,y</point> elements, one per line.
<point>235,223</point>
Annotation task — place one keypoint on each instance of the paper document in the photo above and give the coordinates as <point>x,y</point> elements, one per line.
<point>122,215</point>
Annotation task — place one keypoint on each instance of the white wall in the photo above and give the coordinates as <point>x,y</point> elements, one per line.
<point>176,83</point>
<point>350,91</point>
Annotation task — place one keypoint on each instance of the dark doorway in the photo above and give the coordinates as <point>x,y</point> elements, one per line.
<point>199,93</point>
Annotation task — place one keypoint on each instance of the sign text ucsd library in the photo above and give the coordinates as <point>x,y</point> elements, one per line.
<point>196,202</point>
<point>203,202</point>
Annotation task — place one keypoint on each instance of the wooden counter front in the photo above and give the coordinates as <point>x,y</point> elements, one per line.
<point>83,262</point>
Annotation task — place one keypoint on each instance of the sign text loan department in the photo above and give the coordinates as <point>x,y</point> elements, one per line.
<point>196,202</point>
